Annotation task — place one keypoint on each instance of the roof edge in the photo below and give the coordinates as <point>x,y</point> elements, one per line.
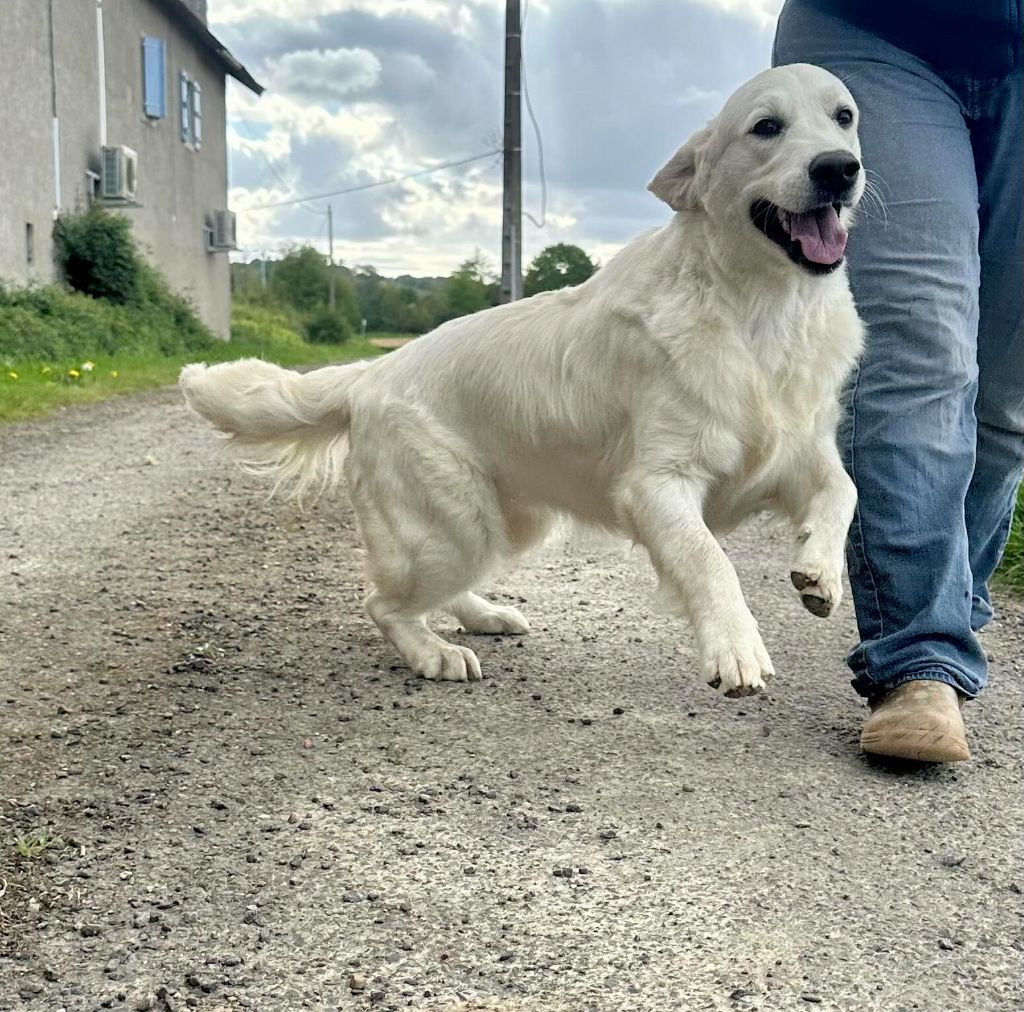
<point>194,26</point>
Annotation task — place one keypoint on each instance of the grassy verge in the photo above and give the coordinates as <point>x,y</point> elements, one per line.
<point>43,387</point>
<point>30,387</point>
<point>1011,571</point>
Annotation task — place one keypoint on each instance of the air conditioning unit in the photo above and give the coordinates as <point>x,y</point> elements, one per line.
<point>120,173</point>
<point>224,230</point>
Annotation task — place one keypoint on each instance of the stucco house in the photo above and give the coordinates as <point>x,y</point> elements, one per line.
<point>121,102</point>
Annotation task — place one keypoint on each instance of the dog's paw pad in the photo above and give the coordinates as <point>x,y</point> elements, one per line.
<point>819,594</point>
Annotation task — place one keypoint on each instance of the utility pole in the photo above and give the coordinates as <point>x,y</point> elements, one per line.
<point>330,251</point>
<point>512,200</point>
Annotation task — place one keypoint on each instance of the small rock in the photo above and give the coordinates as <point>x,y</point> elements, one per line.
<point>608,834</point>
<point>351,897</point>
<point>953,860</point>
<point>562,873</point>
<point>90,930</point>
<point>618,711</point>
<point>356,982</point>
<point>30,989</point>
<point>946,944</point>
<point>814,999</point>
<point>144,1002</point>
<point>573,808</point>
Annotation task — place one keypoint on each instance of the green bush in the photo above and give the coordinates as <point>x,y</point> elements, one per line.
<point>119,303</point>
<point>97,256</point>
<point>328,326</point>
<point>51,324</point>
<point>254,323</point>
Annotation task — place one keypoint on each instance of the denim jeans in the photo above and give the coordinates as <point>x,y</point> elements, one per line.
<point>934,430</point>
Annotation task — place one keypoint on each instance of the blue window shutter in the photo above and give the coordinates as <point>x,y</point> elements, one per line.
<point>153,78</point>
<point>185,106</point>
<point>197,115</point>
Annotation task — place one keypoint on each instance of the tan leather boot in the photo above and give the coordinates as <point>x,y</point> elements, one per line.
<point>918,720</point>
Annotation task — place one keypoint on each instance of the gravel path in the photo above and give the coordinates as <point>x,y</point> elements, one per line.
<point>260,810</point>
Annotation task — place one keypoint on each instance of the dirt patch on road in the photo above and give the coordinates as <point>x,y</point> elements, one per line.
<point>251,805</point>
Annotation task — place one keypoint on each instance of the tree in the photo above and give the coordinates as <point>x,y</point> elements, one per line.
<point>466,291</point>
<point>558,266</point>
<point>301,279</point>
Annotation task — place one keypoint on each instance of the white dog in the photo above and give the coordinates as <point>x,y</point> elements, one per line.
<point>692,381</point>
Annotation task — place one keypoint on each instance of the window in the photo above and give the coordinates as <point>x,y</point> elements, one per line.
<point>154,97</point>
<point>197,115</point>
<point>185,106</point>
<point>190,99</point>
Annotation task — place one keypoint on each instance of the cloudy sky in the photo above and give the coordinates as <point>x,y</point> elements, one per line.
<point>363,90</point>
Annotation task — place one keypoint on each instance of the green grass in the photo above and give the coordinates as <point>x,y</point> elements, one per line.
<point>29,846</point>
<point>30,387</point>
<point>1011,571</point>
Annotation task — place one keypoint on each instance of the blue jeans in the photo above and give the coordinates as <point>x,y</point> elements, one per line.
<point>934,431</point>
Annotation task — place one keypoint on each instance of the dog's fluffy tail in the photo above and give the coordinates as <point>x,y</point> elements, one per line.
<point>285,425</point>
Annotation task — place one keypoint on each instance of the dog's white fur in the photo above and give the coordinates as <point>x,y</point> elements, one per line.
<point>689,383</point>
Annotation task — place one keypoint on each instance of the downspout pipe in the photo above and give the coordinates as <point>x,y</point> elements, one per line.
<point>101,73</point>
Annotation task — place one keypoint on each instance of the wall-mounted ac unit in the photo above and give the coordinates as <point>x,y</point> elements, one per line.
<point>119,175</point>
<point>224,230</point>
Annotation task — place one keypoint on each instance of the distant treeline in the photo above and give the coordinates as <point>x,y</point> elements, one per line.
<point>301,281</point>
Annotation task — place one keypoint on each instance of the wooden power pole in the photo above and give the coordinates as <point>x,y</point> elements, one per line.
<point>512,201</point>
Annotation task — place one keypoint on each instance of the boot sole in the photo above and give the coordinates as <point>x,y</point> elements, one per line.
<point>923,746</point>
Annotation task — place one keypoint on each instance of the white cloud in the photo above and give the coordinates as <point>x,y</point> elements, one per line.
<point>363,90</point>
<point>324,74</point>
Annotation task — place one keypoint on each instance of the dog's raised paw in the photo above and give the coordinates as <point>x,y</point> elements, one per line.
<point>819,594</point>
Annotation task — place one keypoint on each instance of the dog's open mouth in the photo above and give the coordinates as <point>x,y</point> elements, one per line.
<point>814,239</point>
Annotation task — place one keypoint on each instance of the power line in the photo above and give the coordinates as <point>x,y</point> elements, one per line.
<point>536,130</point>
<point>273,168</point>
<point>370,186</point>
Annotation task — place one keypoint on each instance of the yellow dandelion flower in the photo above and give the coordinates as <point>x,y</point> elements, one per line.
<point>46,369</point>
<point>88,366</point>
<point>13,375</point>
<point>113,373</point>
<point>74,373</point>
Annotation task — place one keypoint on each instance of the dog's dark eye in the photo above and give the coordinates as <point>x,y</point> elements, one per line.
<point>769,127</point>
<point>844,117</point>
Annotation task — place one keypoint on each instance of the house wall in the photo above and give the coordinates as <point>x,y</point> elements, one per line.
<point>179,188</point>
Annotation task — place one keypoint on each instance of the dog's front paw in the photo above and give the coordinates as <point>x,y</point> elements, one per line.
<point>738,664</point>
<point>820,587</point>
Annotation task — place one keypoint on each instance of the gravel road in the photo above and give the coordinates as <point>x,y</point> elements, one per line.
<point>258,809</point>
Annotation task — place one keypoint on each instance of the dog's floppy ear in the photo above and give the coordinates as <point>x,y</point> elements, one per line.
<point>676,182</point>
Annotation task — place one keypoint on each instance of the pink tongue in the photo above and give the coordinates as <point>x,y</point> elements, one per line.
<point>821,236</point>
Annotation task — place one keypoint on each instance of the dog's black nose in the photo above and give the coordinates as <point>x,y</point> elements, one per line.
<point>834,173</point>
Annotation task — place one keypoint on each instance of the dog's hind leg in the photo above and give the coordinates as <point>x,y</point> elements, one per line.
<point>433,529</point>
<point>524,528</point>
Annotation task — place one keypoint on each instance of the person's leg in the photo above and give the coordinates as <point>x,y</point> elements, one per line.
<point>999,156</point>
<point>909,442</point>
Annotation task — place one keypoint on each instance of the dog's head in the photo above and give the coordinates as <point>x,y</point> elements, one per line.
<point>779,166</point>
